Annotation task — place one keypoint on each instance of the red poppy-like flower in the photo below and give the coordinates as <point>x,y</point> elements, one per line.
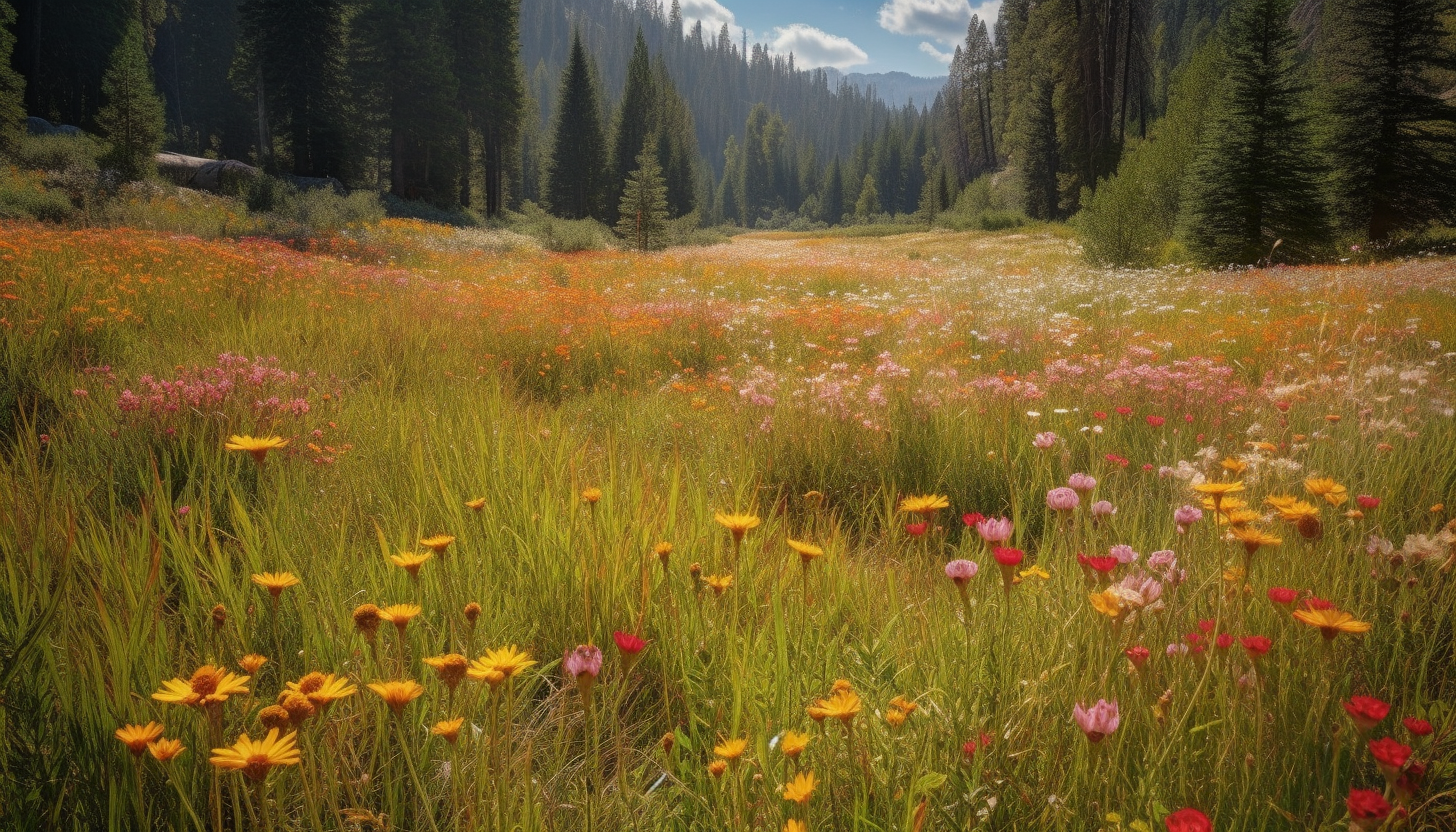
<point>1417,727</point>
<point>1206,624</point>
<point>1188,820</point>
<point>972,518</point>
<point>1137,654</point>
<point>1283,595</point>
<point>1123,410</point>
<point>628,643</point>
<point>916,529</point>
<point>1155,421</point>
<point>1008,557</point>
<point>1256,646</point>
<point>968,750</point>
<point>1120,461</point>
<point>1316,603</point>
<point>1390,754</point>
<point>1368,808</point>
<point>1367,502</point>
<point>1366,711</point>
<point>1103,563</point>
<point>1099,414</point>
<point>1224,641</point>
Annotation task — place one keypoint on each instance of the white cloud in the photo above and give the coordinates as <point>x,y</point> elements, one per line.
<point>711,13</point>
<point>813,47</point>
<point>943,20</point>
<point>929,49</point>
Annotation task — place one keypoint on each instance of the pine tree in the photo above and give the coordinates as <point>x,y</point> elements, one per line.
<point>409,94</point>
<point>643,209</point>
<point>833,199</point>
<point>484,38</point>
<point>577,169</point>
<point>634,121</point>
<point>868,204</point>
<point>677,145</point>
<point>1392,132</point>
<point>132,119</point>
<point>12,85</point>
<point>763,137</point>
<point>1253,182</point>
<point>297,48</point>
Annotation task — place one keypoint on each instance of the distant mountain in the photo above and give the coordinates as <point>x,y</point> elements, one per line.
<point>893,88</point>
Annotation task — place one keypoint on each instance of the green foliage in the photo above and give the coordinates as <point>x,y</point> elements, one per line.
<point>868,204</point>
<point>642,212</point>
<point>1254,181</point>
<point>559,234</point>
<point>131,120</point>
<point>485,46</point>
<point>12,85</point>
<point>25,196</point>
<point>576,171</point>
<point>1132,215</point>
<point>1391,135</point>
<point>632,125</point>
<point>763,140</point>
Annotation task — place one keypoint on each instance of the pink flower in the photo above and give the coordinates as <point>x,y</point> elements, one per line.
<point>1062,499</point>
<point>1098,721</point>
<point>582,665</point>
<point>995,530</point>
<point>1103,508</point>
<point>1081,483</point>
<point>961,571</point>
<point>1123,553</point>
<point>1044,440</point>
<point>1186,516</point>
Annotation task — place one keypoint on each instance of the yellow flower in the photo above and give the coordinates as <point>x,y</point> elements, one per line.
<point>591,496</point>
<point>924,504</point>
<point>438,543</point>
<point>807,551</point>
<point>1238,517</point>
<point>251,663</point>
<point>717,767</point>
<point>1266,447</point>
<point>895,717</point>
<point>411,561</point>
<point>1108,603</point>
<point>1334,493</point>
<point>397,694</point>
<point>1218,490</point>
<point>731,749</point>
<point>1280,501</point>
<point>1226,504</point>
<point>500,664</point>
<point>450,667</point>
<point>719,583</point>
<point>795,826</point>
<point>322,689</point>
<point>1036,572</point>
<point>255,758</point>
<point>903,704</point>
<point>476,504</point>
<point>1294,511</point>
<point>1332,622</point>
<point>793,743</point>
<point>400,614</point>
<point>839,685</point>
<point>738,524</point>
<point>844,705</point>
<point>276,582</point>
<point>257,446</point>
<point>801,788</point>
<point>448,728</point>
<point>208,686</point>
<point>1234,574</point>
<point>136,737</point>
<point>1253,538</point>
<point>166,750</point>
<point>1234,466</point>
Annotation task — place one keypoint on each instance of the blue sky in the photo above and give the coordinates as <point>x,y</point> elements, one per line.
<point>914,36</point>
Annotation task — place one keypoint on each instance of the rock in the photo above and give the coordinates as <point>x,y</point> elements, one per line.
<point>38,126</point>
<point>204,174</point>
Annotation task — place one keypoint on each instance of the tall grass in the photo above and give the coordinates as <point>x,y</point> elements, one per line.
<point>682,385</point>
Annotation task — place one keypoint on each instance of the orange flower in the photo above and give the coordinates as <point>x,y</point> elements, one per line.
<point>137,737</point>
<point>166,750</point>
<point>276,582</point>
<point>438,543</point>
<point>1331,622</point>
<point>448,728</point>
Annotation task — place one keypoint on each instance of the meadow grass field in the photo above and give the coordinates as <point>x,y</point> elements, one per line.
<point>463,535</point>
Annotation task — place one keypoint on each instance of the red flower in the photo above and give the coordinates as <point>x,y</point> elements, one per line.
<point>1156,421</point>
<point>1256,646</point>
<point>1417,727</point>
<point>916,529</point>
<point>1188,417</point>
<point>1008,557</point>
<point>1366,711</point>
<point>1137,654</point>
<point>1123,411</point>
<point>1099,414</point>
<point>1120,461</point>
<point>985,740</point>
<point>1314,602</point>
<point>1103,563</point>
<point>1283,595</point>
<point>628,643</point>
<point>1367,502</point>
<point>1410,782</point>
<point>1224,641</point>
<point>972,519</point>
<point>968,750</point>
<point>1206,624</point>
<point>1390,754</point>
<point>1367,805</point>
<point>1188,820</point>
<point>1283,406</point>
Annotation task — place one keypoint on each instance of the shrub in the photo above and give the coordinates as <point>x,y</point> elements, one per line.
<point>556,234</point>
<point>24,196</point>
<point>323,210</point>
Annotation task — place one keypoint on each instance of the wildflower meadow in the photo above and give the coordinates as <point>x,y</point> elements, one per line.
<point>413,528</point>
